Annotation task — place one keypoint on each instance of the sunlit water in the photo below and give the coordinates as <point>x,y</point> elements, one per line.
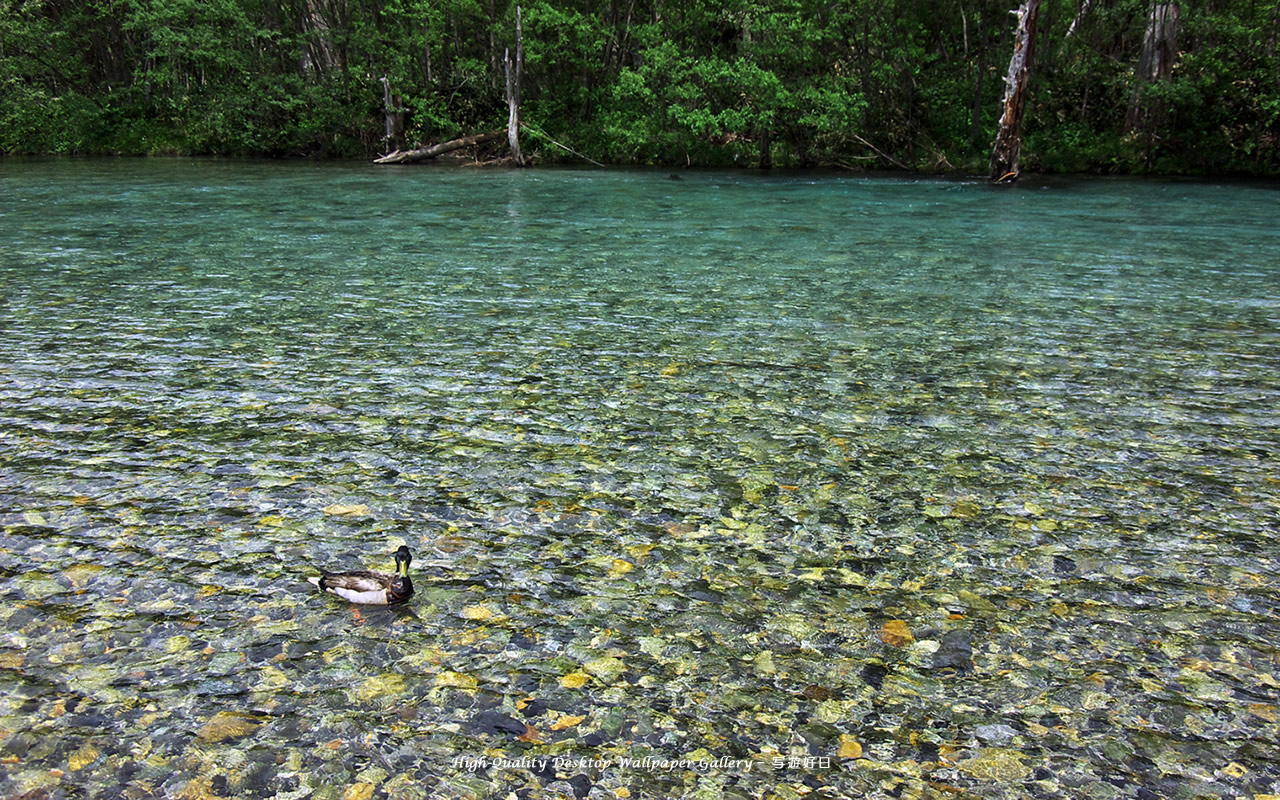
<point>921,488</point>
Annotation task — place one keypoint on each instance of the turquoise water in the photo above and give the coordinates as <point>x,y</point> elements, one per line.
<point>921,488</point>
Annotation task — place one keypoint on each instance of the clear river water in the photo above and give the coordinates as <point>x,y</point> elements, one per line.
<point>717,484</point>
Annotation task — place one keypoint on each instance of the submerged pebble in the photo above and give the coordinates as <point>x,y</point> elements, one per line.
<point>835,504</point>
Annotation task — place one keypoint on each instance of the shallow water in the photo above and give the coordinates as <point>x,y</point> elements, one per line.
<point>871,487</point>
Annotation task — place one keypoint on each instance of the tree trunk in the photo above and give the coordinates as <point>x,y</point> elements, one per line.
<point>975,126</point>
<point>1160,44</point>
<point>513,95</point>
<point>422,153</point>
<point>1275,31</point>
<point>615,54</point>
<point>493,44</point>
<point>1080,12</point>
<point>766,156</point>
<point>320,56</point>
<point>426,51</point>
<point>393,115</point>
<point>1007,151</point>
<point>1159,48</point>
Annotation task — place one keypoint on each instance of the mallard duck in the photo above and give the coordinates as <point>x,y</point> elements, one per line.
<point>371,588</point>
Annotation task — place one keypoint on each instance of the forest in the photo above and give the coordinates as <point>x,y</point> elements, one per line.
<point>1115,86</point>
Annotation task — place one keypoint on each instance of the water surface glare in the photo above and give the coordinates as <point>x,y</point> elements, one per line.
<point>869,487</point>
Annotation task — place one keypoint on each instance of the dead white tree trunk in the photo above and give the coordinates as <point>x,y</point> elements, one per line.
<point>320,57</point>
<point>1006,154</point>
<point>1159,49</point>
<point>393,115</point>
<point>1160,44</point>
<point>514,75</point>
<point>1075,23</point>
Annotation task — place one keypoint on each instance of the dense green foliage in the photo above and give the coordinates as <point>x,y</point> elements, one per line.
<point>751,82</point>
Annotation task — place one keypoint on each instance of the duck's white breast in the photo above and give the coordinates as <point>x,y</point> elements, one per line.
<point>373,597</point>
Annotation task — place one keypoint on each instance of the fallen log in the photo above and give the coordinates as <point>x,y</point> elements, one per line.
<point>423,153</point>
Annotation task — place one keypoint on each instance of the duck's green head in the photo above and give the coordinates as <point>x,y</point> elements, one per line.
<point>403,557</point>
